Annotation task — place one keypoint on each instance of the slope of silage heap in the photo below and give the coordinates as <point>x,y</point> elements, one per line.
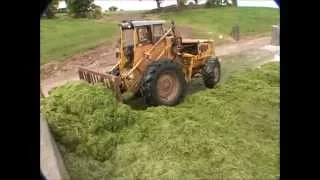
<point>229,132</point>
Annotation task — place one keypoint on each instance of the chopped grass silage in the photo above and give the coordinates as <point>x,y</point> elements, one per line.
<point>86,119</point>
<point>230,132</point>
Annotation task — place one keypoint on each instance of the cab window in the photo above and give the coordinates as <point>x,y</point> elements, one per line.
<point>157,32</point>
<point>144,34</point>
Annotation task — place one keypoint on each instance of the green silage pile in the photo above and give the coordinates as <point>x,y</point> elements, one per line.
<point>229,132</point>
<point>86,119</point>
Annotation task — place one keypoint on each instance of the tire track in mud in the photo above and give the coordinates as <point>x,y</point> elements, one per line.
<point>103,58</point>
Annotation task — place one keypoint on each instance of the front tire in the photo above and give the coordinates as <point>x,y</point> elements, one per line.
<point>163,83</point>
<point>211,73</point>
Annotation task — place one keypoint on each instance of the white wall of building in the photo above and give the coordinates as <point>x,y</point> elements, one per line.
<point>131,5</point>
<point>257,3</point>
<point>62,4</point>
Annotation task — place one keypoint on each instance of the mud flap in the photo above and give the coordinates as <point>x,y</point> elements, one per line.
<point>110,81</point>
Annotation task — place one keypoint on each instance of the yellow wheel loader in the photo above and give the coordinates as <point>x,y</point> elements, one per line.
<point>157,63</point>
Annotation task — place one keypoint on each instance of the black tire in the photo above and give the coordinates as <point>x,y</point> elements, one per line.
<point>137,94</point>
<point>211,73</point>
<point>173,77</point>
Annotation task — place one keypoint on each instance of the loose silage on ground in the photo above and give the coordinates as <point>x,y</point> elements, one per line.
<point>230,132</point>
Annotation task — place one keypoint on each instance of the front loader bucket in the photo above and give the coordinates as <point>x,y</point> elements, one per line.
<point>110,81</point>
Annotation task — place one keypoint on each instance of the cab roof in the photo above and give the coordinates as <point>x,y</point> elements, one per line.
<point>131,24</point>
<point>186,40</point>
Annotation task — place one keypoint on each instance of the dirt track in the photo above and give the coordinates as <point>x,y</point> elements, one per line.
<point>102,58</point>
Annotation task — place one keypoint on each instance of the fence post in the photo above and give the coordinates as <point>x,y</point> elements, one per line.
<point>275,36</point>
<point>236,32</point>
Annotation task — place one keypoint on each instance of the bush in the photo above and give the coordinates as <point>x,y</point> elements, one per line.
<point>52,9</point>
<point>234,3</point>
<point>95,11</point>
<point>210,3</point>
<point>113,8</point>
<point>63,10</point>
<point>216,3</point>
<point>190,4</point>
<point>182,3</point>
<point>79,8</point>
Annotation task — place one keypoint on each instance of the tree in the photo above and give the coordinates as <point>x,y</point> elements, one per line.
<point>95,11</point>
<point>52,9</point>
<point>158,3</point>
<point>79,8</point>
<point>216,3</point>
<point>190,4</point>
<point>113,8</point>
<point>210,3</point>
<point>196,1</point>
<point>234,3</point>
<point>181,3</point>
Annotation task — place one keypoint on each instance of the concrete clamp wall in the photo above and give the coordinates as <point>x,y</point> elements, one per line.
<point>51,162</point>
<point>257,3</point>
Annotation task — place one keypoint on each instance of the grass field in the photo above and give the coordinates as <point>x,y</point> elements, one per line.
<point>63,37</point>
<point>60,38</point>
<point>230,132</point>
<point>213,22</point>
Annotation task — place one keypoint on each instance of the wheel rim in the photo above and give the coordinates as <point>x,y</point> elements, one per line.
<point>216,74</point>
<point>167,86</point>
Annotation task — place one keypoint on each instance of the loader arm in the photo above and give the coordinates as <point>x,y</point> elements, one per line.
<point>148,54</point>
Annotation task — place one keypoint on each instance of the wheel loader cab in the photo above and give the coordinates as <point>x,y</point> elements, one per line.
<point>135,38</point>
<point>126,46</point>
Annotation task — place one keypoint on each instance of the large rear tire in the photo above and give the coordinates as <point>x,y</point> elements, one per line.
<point>163,83</point>
<point>211,73</point>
